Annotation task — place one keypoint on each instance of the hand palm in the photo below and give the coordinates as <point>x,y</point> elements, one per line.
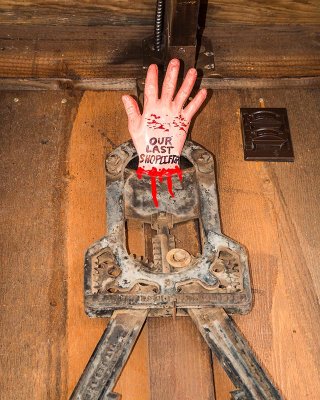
<point>160,132</point>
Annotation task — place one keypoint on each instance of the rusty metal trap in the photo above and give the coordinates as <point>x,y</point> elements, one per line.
<point>170,280</point>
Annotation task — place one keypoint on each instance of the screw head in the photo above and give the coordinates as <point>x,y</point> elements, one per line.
<point>205,157</point>
<point>179,255</point>
<point>113,164</point>
<point>209,66</point>
<point>178,258</point>
<point>204,160</point>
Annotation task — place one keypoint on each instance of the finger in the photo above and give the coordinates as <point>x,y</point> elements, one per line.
<point>132,110</point>
<point>194,105</point>
<point>186,88</point>
<point>151,84</point>
<point>170,81</point>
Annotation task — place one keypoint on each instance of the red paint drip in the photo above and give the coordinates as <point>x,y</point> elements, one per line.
<point>154,173</point>
<point>153,124</point>
<point>154,190</point>
<point>181,123</point>
<point>169,184</point>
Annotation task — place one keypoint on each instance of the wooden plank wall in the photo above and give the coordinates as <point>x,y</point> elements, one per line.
<point>271,208</point>
<point>95,45</point>
<point>52,183</point>
<point>35,132</point>
<point>124,12</point>
<point>47,56</point>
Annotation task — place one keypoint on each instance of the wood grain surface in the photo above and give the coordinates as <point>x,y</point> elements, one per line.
<point>65,57</point>
<point>126,12</point>
<point>271,208</point>
<point>35,130</point>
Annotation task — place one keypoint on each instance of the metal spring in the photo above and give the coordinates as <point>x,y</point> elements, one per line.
<point>158,25</point>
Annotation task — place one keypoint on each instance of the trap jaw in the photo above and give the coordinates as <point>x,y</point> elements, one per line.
<point>206,286</point>
<point>114,279</point>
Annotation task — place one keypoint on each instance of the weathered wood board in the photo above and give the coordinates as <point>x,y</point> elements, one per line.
<point>35,131</point>
<point>53,190</point>
<point>100,57</point>
<point>126,12</point>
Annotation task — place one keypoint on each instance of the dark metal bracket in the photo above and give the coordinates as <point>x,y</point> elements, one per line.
<point>177,35</point>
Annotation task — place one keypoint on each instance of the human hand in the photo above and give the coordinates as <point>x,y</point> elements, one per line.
<point>160,132</point>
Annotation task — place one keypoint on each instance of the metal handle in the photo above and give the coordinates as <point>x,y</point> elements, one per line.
<point>234,353</point>
<point>110,356</point>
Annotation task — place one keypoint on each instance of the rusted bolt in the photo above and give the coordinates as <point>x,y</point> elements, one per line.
<point>178,258</point>
<point>203,160</point>
<point>209,66</point>
<point>179,255</point>
<point>114,271</point>
<point>217,266</point>
<point>113,164</point>
<point>205,157</point>
<point>202,156</point>
<point>261,103</point>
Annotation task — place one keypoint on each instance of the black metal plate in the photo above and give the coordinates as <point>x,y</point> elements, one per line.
<point>266,134</point>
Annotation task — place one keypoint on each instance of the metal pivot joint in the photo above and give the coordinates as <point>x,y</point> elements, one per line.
<point>169,278</point>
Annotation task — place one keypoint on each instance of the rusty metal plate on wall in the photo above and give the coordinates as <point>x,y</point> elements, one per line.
<point>266,134</point>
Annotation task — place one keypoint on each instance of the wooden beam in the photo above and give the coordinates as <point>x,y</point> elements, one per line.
<point>129,84</point>
<point>59,56</point>
<point>126,12</point>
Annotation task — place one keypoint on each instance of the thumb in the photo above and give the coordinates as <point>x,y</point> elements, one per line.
<point>133,112</point>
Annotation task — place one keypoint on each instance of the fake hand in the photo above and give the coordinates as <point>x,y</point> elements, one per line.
<point>160,132</point>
